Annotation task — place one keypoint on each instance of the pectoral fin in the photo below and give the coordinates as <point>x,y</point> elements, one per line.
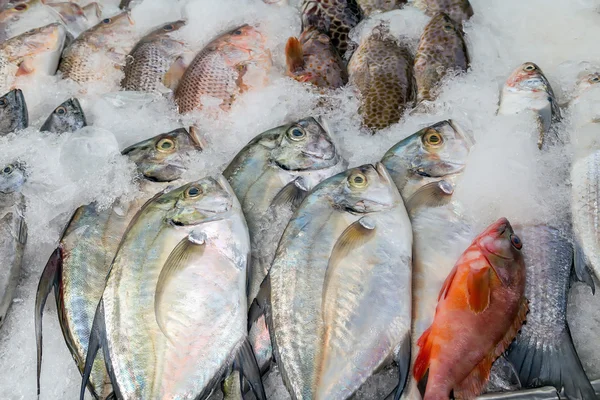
<point>478,289</point>
<point>26,67</point>
<point>175,73</point>
<point>580,266</point>
<point>434,194</point>
<point>294,55</point>
<point>293,193</point>
<point>356,235</point>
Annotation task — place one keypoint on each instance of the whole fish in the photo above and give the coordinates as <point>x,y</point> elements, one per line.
<point>458,10</point>
<point>480,310</point>
<point>426,167</point>
<point>527,90</point>
<point>369,7</point>
<point>103,46</point>
<point>233,63</point>
<point>32,53</point>
<point>13,112</point>
<point>77,269</point>
<point>68,117</point>
<point>271,176</point>
<point>339,301</point>
<point>335,18</point>
<point>180,274</point>
<point>441,49</point>
<point>313,58</point>
<point>543,352</point>
<point>382,71</point>
<point>14,229</point>
<point>152,58</point>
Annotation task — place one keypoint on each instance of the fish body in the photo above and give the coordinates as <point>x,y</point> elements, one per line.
<point>335,18</point>
<point>14,232</point>
<point>313,58</point>
<point>543,352</point>
<point>78,268</point>
<point>382,71</point>
<point>180,274</point>
<point>369,7</point>
<point>68,117</point>
<point>13,112</point>
<point>101,47</point>
<point>231,64</point>
<point>442,48</point>
<point>346,249</point>
<point>271,176</point>
<point>151,58</point>
<point>33,53</point>
<point>458,10</point>
<point>482,302</point>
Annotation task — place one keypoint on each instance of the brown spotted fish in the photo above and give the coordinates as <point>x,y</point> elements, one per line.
<point>369,7</point>
<point>381,69</point>
<point>458,10</point>
<point>442,48</point>
<point>333,17</point>
<point>312,58</point>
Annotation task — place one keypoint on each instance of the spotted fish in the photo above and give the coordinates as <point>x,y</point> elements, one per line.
<point>458,10</point>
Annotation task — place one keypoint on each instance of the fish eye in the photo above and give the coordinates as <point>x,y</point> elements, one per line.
<point>168,27</point>
<point>237,32</point>
<point>20,7</point>
<point>106,20</point>
<point>529,67</point>
<point>193,192</point>
<point>595,79</point>
<point>448,27</point>
<point>296,133</point>
<point>165,145</point>
<point>3,102</point>
<point>516,242</point>
<point>61,110</point>
<point>357,180</point>
<point>433,138</point>
<point>8,169</point>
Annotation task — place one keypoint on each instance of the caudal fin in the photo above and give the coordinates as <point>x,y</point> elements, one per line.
<point>245,362</point>
<point>97,337</point>
<point>554,363</point>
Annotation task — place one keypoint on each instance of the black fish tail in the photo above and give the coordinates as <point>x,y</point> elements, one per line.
<point>245,362</point>
<point>403,360</point>
<point>97,335</point>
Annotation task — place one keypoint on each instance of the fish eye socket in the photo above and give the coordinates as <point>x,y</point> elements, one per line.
<point>516,242</point>
<point>296,133</point>
<point>448,27</point>
<point>61,110</point>
<point>193,192</point>
<point>106,20</point>
<point>20,7</point>
<point>433,138</point>
<point>357,180</point>
<point>168,27</point>
<point>237,32</point>
<point>8,170</point>
<point>595,79</point>
<point>529,68</point>
<point>165,145</point>
<point>3,102</point>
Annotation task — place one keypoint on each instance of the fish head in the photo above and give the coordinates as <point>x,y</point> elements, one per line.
<point>441,27</point>
<point>13,110</point>
<point>162,35</point>
<point>587,81</point>
<point>12,177</point>
<point>528,77</point>
<point>241,44</point>
<point>46,39</point>
<point>364,189</point>
<point>437,151</point>
<point>162,158</point>
<point>14,11</point>
<point>205,200</point>
<point>108,31</point>
<point>305,145</point>
<point>68,116</point>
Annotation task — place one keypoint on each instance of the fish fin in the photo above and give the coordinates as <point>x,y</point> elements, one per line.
<point>22,233</point>
<point>245,362</point>
<point>48,280</point>
<point>92,11</point>
<point>541,131</point>
<point>478,289</point>
<point>96,342</point>
<point>403,361</point>
<point>355,235</point>
<point>260,303</point>
<point>540,361</point>
<point>177,260</point>
<point>423,107</point>
<point>294,55</point>
<point>175,73</point>
<point>580,266</point>
<point>293,193</point>
<point>424,357</point>
<point>434,194</point>
<point>26,67</point>
<point>447,283</point>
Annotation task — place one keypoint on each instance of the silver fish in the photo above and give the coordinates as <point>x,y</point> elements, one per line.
<point>68,117</point>
<point>13,112</point>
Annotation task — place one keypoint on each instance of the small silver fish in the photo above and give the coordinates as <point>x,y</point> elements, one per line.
<point>68,117</point>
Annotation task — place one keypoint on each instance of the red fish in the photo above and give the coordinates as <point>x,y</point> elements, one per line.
<point>481,307</point>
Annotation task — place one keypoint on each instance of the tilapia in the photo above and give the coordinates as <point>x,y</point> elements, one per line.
<point>271,176</point>
<point>231,64</point>
<point>382,71</point>
<point>152,58</point>
<point>528,90</point>
<point>458,10</point>
<point>32,53</point>
<point>543,352</point>
<point>338,300</point>
<point>313,58</point>
<point>180,274</point>
<point>481,308</point>
<point>442,49</point>
<point>369,7</point>
<point>14,232</point>
<point>335,18</point>
<point>97,50</point>
<point>68,117</point>
<point>13,112</point>
<point>77,269</point>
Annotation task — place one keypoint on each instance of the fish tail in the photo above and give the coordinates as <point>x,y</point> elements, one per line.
<point>97,338</point>
<point>424,356</point>
<point>540,362</point>
<point>245,362</point>
<point>403,360</point>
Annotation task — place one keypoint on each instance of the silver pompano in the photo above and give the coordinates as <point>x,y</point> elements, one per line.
<point>14,232</point>
<point>543,353</point>
<point>13,112</point>
<point>352,231</point>
<point>174,305</point>
<point>271,176</point>
<point>68,117</point>
<point>78,267</point>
